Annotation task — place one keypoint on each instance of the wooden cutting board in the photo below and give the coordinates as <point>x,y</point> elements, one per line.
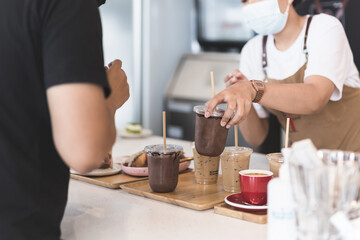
<point>112,182</point>
<point>230,211</point>
<point>187,193</point>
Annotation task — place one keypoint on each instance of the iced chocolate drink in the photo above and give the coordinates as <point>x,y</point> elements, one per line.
<point>163,167</point>
<point>233,161</point>
<point>210,136</point>
<point>275,162</point>
<point>206,168</point>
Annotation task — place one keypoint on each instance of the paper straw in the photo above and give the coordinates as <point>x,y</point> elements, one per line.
<point>287,133</point>
<point>164,130</point>
<point>212,83</point>
<point>236,137</point>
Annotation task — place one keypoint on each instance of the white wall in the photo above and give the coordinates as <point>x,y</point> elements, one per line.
<point>166,37</point>
<point>117,22</point>
<point>149,36</point>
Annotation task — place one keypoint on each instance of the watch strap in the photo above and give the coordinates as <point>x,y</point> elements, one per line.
<point>259,88</point>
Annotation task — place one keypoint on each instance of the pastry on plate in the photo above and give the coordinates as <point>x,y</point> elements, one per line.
<point>139,159</point>
<point>108,162</point>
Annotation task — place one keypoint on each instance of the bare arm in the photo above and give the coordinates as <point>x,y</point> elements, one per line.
<point>83,120</point>
<point>254,129</point>
<point>82,125</point>
<point>302,98</point>
<point>306,98</point>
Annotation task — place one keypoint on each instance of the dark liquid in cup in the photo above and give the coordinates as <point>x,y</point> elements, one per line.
<point>256,174</point>
<point>210,136</point>
<point>163,171</point>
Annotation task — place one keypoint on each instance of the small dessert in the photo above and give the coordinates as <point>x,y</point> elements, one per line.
<point>140,161</point>
<point>133,128</point>
<point>108,162</point>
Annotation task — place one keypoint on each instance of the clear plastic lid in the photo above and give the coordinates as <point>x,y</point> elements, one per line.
<point>278,157</point>
<point>159,148</point>
<point>241,151</point>
<point>218,112</point>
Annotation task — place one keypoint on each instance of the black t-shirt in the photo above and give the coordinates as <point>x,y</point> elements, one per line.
<point>42,43</point>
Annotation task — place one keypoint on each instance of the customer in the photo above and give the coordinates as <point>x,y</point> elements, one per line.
<point>303,69</point>
<point>57,109</point>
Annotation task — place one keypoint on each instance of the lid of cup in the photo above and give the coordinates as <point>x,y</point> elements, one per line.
<point>159,148</point>
<point>231,150</point>
<point>218,112</point>
<point>278,157</point>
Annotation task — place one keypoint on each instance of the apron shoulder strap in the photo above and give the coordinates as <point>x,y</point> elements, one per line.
<point>306,36</point>
<point>264,52</point>
<point>264,56</point>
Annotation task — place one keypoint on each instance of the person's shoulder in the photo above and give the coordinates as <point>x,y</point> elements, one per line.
<point>325,22</point>
<point>325,27</point>
<point>250,60</point>
<point>254,45</point>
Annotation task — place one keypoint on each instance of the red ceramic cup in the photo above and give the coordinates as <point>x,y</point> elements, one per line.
<point>253,184</point>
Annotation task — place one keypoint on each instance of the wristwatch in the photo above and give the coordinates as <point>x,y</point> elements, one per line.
<point>259,88</point>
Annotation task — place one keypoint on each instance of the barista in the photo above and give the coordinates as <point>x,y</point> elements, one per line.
<point>299,67</point>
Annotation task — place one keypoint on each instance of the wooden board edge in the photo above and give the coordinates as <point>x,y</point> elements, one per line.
<point>128,189</point>
<point>91,181</point>
<point>218,209</point>
<point>177,202</point>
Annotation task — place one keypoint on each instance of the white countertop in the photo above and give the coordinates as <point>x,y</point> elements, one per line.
<point>95,212</point>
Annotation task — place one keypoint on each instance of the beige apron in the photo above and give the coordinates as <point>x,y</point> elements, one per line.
<point>337,126</point>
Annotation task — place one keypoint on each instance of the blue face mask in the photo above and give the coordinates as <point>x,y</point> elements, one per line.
<point>265,17</point>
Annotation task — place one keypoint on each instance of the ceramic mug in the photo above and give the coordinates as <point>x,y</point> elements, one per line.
<point>253,184</point>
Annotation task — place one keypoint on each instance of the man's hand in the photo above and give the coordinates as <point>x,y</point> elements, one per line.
<point>118,84</point>
<point>235,77</point>
<point>238,97</point>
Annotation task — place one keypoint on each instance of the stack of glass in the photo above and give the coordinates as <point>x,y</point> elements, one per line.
<point>321,190</point>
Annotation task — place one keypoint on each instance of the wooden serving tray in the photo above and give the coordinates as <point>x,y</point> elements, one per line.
<point>112,182</point>
<point>230,211</point>
<point>187,193</point>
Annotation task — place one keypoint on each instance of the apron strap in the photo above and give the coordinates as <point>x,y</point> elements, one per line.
<point>264,57</point>
<point>265,62</point>
<point>306,36</point>
<point>264,52</point>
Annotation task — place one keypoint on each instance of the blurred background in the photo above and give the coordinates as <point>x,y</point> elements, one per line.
<point>169,48</point>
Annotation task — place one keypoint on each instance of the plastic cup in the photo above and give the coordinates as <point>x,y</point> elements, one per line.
<point>163,167</point>
<point>210,136</point>
<point>233,161</point>
<point>275,162</point>
<point>206,168</point>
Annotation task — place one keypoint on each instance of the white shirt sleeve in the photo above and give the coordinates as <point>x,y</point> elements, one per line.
<point>250,66</point>
<point>328,52</point>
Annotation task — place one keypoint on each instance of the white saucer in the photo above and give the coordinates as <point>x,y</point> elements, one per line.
<point>144,133</point>
<point>100,172</point>
<point>235,200</point>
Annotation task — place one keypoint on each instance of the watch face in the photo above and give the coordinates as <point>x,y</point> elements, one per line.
<point>258,84</point>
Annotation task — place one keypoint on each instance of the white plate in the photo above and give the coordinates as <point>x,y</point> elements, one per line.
<point>100,172</point>
<point>143,171</point>
<point>144,133</point>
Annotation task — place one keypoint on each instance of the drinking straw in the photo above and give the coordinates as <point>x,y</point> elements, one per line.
<point>236,137</point>
<point>287,133</point>
<point>212,83</point>
<point>164,130</point>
